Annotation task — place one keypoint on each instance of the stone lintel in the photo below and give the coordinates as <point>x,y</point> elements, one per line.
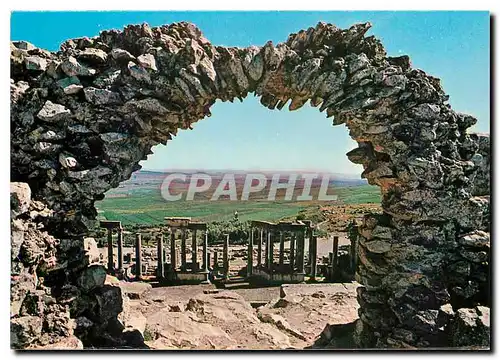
<point>261,224</point>
<point>177,221</point>
<point>110,224</point>
<point>281,226</point>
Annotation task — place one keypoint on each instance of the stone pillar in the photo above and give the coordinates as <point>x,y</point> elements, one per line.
<point>172,249</point>
<point>266,249</point>
<point>111,260</point>
<point>209,261</point>
<point>250,254</point>
<point>206,257</point>
<point>309,238</point>
<point>120,249</point>
<point>282,250</point>
<point>138,255</point>
<point>194,253</point>
<point>178,256</point>
<point>335,255</point>
<point>312,257</point>
<point>330,266</point>
<point>300,252</point>
<point>259,249</point>
<point>216,261</point>
<point>183,249</point>
<point>161,260</point>
<point>270,251</point>
<point>225,257</point>
<point>292,252</point>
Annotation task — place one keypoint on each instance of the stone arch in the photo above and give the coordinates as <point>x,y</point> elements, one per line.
<point>83,118</point>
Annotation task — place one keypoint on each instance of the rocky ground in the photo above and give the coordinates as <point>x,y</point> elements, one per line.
<point>203,317</point>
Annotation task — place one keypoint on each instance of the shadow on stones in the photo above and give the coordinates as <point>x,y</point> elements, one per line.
<point>338,336</point>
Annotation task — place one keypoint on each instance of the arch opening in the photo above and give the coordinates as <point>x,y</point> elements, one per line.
<point>244,142</point>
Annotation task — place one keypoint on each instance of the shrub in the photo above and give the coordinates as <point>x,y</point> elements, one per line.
<point>238,231</point>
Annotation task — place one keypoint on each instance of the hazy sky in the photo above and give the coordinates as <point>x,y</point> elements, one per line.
<point>453,46</point>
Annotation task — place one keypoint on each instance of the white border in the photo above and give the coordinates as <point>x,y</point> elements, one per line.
<point>253,5</point>
<point>195,5</point>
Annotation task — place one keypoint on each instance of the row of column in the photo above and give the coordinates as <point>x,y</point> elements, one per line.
<point>333,259</point>
<point>265,245</point>
<point>225,259</point>
<point>173,254</point>
<point>297,246</point>
<point>265,240</point>
<point>110,226</point>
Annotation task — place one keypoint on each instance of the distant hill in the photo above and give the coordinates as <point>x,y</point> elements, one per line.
<point>338,176</point>
<point>151,180</point>
<point>139,201</point>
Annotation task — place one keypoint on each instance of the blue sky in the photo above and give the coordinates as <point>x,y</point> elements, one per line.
<point>453,46</point>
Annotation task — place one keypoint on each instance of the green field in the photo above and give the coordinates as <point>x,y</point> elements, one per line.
<point>146,206</point>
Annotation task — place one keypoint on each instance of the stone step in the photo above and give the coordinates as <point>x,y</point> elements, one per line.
<point>229,285</point>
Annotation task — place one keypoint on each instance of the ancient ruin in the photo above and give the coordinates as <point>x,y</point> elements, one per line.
<point>83,117</point>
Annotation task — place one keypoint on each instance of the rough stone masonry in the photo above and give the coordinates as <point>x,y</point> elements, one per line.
<point>83,117</point>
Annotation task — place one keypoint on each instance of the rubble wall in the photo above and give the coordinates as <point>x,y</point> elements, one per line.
<point>83,117</point>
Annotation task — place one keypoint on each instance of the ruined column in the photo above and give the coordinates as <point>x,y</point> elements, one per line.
<point>178,257</point>
<point>259,248</point>
<point>282,250</point>
<point>300,251</point>
<point>138,256</point>
<point>194,253</point>
<point>172,249</point>
<point>250,254</point>
<point>183,250</point>
<point>161,260</point>
<point>120,249</point>
<point>266,249</point>
<point>330,266</point>
<point>216,261</point>
<point>206,257</point>
<point>209,261</point>
<point>110,225</point>
<point>225,257</point>
<point>270,237</point>
<point>335,255</point>
<point>312,256</point>
<point>309,238</point>
<point>292,252</point>
<point>111,265</point>
<point>270,250</point>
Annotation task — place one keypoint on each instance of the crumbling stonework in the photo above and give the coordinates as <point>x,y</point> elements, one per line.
<point>38,316</point>
<point>57,288</point>
<point>82,119</point>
